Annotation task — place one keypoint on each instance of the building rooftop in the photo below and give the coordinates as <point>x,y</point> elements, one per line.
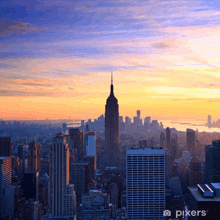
<point>2,158</point>
<point>147,150</point>
<point>198,196</point>
<point>216,185</point>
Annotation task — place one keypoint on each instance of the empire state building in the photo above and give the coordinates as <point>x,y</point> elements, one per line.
<point>112,137</point>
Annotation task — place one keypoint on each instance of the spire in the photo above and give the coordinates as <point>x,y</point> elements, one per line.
<point>112,89</point>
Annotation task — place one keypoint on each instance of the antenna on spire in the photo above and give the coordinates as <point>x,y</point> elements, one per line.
<point>111,78</point>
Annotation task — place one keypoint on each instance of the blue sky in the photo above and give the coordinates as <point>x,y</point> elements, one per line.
<point>67,49</point>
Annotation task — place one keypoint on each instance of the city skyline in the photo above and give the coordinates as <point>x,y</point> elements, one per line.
<point>56,58</point>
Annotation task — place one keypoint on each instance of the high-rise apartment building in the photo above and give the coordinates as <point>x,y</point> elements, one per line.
<point>5,146</point>
<point>191,141</point>
<point>212,162</point>
<point>62,194</point>
<point>145,183</point>
<point>112,137</point>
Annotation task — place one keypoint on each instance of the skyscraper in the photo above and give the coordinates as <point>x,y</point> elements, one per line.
<point>195,175</point>
<point>145,183</point>
<point>5,146</point>
<point>191,141</point>
<point>80,177</point>
<point>5,178</point>
<point>168,138</point>
<point>5,171</point>
<point>112,137</point>
<point>76,143</point>
<point>62,195</point>
<point>209,121</point>
<point>30,185</point>
<point>34,156</point>
<point>212,162</point>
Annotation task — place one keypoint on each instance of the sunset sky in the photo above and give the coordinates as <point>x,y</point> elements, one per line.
<point>56,58</point>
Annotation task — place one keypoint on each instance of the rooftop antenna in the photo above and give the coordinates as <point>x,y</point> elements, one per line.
<point>111,78</point>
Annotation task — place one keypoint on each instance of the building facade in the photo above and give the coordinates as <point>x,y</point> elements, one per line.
<point>212,162</point>
<point>5,146</point>
<point>145,183</point>
<point>61,193</point>
<point>191,141</point>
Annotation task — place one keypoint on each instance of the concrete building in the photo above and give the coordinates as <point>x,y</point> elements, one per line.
<point>145,183</point>
<point>62,195</point>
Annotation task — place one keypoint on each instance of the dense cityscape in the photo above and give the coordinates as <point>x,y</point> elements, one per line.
<point>108,168</point>
<point>109,110</point>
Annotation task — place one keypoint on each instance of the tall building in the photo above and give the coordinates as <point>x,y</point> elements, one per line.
<point>62,194</point>
<point>21,151</point>
<point>205,198</point>
<point>173,145</point>
<point>145,183</point>
<point>76,143</point>
<point>168,138</point>
<point>191,141</point>
<point>80,177</point>
<point>112,137</point>
<point>90,144</point>
<point>5,146</point>
<point>147,121</point>
<point>30,185</point>
<point>212,162</point>
<point>209,122</point>
<point>5,171</point>
<point>34,156</point>
<point>162,140</point>
<point>195,175</point>
<point>5,178</point>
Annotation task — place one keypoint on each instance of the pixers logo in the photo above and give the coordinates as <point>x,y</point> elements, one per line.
<point>183,214</point>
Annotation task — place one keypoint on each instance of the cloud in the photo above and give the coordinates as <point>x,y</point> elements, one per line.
<point>8,27</point>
